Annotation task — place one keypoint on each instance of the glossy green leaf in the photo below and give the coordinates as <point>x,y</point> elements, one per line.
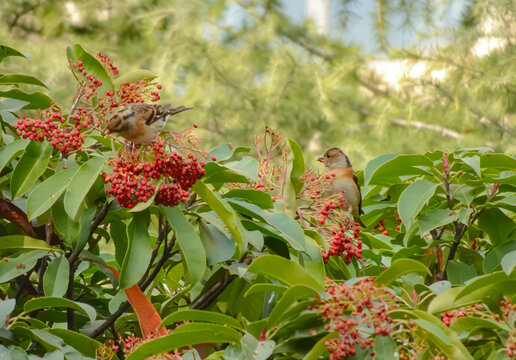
<point>289,298</point>
<point>297,166</point>
<point>401,267</point>
<point>509,262</point>
<point>186,335</point>
<point>9,269</point>
<point>413,198</point>
<point>246,166</point>
<point>311,259</point>
<point>10,151</point>
<point>458,273</point>
<point>133,76</point>
<point>59,302</point>
<point>320,348</point>
<point>290,229</point>
<point>138,254</point>
<point>255,349</point>
<point>435,218</point>
<point>80,185</point>
<point>496,224</point>
<point>218,244</point>
<point>445,301</point>
<point>493,258</point>
<point>473,162</point>
<point>499,161</point>
<point>48,192</point>
<point>14,79</point>
<point>203,316</point>
<point>391,168</point>
<point>92,66</point>
<point>55,280</point>
<point>257,288</point>
<point>36,100</point>
<point>67,228</point>
<point>191,246</point>
<point>482,286</point>
<point>218,174</point>
<point>285,271</point>
<point>82,343</point>
<point>18,243</point>
<point>6,308</point>
<point>32,164</point>
<point>226,151</point>
<point>6,51</point>
<point>385,348</point>
<point>225,212</point>
<point>470,323</point>
<point>257,197</point>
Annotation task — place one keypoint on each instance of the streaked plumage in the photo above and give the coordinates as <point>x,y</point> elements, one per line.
<point>141,123</point>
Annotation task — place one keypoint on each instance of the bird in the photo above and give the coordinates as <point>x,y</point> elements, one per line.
<point>141,123</point>
<point>337,163</point>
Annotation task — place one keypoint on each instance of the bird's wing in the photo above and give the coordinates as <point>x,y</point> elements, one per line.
<point>145,111</point>
<point>355,179</point>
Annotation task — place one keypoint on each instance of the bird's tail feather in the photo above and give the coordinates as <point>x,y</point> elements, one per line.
<point>178,109</point>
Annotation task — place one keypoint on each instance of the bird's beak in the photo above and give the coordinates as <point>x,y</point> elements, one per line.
<point>321,159</point>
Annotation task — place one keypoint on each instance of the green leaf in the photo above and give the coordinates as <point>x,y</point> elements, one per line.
<point>320,348</point>
<point>202,316</point>
<point>289,298</point>
<point>31,166</point>
<point>48,192</point>
<point>59,302</point>
<point>9,269</point>
<point>12,150</point>
<point>257,197</point>
<point>387,169</point>
<point>218,245</point>
<point>55,280</point>
<point>186,335</point>
<point>445,301</point>
<point>496,224</point>
<point>458,273</point>
<point>18,243</point>
<point>84,344</point>
<point>12,105</point>
<point>247,166</point>
<point>133,76</point>
<point>413,198</point>
<point>80,185</point>
<point>6,308</point>
<point>296,166</point>
<point>225,212</point>
<point>312,259</point>
<point>289,229</point>
<point>470,323</point>
<point>226,151</point>
<point>67,228</point>
<point>138,254</point>
<point>385,348</point>
<point>509,262</point>
<point>192,250</point>
<point>256,350</point>
<point>435,218</point>
<point>401,267</point>
<point>499,161</point>
<point>485,285</point>
<point>285,271</point>
<point>257,288</point>
<point>493,258</point>
<point>473,162</point>
<point>374,164</point>
<point>14,79</point>
<point>92,66</point>
<point>36,100</point>
<point>6,51</point>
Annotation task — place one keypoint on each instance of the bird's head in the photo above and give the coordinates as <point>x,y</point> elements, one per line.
<point>334,158</point>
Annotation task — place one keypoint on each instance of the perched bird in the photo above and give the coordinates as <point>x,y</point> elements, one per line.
<point>141,123</point>
<point>344,180</point>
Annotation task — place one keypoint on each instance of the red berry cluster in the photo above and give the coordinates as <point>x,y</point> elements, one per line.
<point>137,92</point>
<point>63,138</point>
<point>107,62</point>
<point>130,344</point>
<point>351,308</point>
<point>342,244</point>
<point>133,178</point>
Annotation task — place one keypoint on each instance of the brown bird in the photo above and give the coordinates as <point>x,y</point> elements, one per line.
<point>141,123</point>
<point>336,162</point>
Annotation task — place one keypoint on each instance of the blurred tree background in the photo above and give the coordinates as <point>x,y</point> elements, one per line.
<point>247,64</point>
